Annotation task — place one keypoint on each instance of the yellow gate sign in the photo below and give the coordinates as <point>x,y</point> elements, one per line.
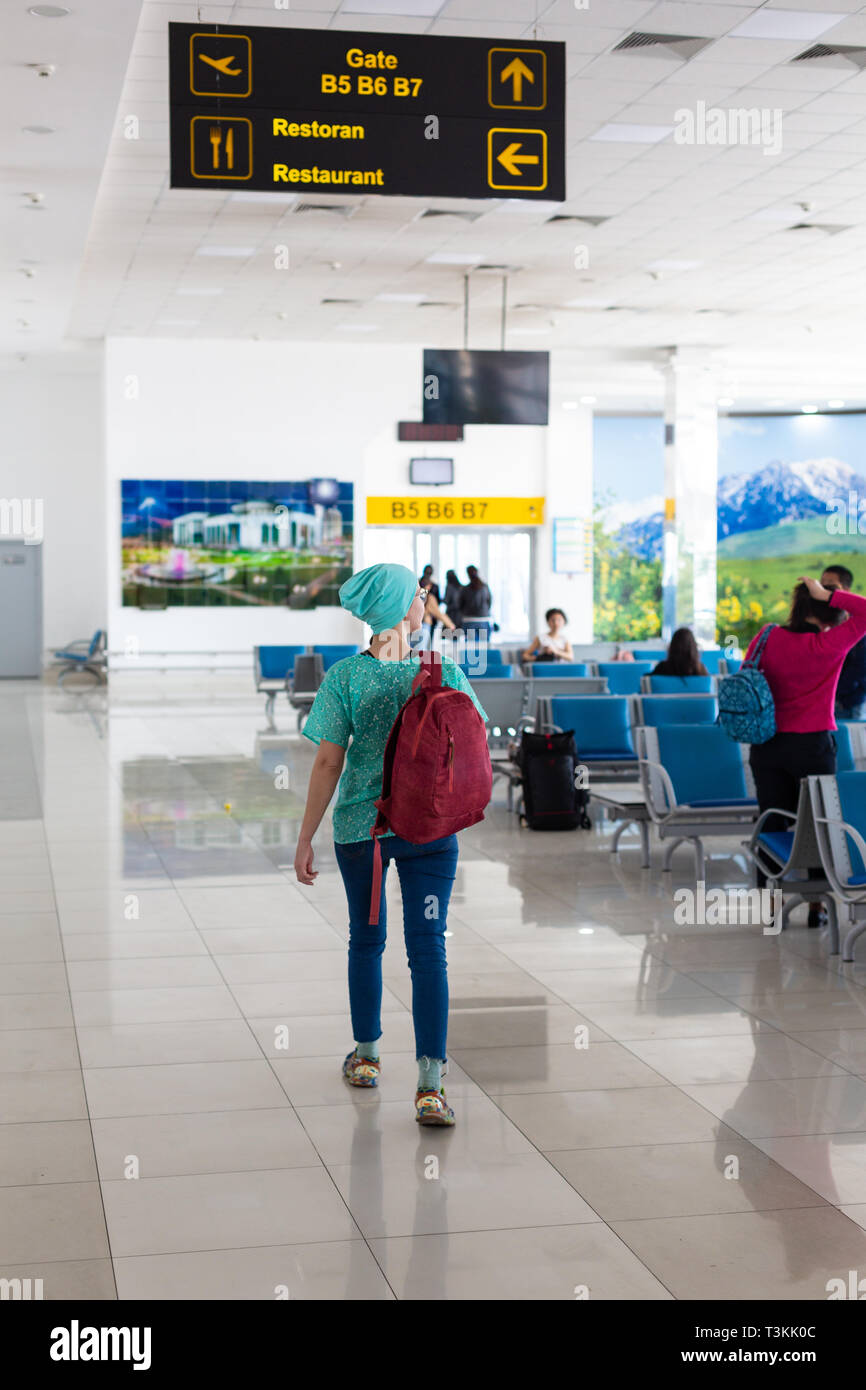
<point>455,511</point>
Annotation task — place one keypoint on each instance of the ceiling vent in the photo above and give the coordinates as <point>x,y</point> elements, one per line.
<point>341,301</point>
<point>588,220</point>
<point>446,212</point>
<point>835,55</point>
<point>665,45</point>
<point>337,209</point>
<point>438,304</point>
<point>831,228</point>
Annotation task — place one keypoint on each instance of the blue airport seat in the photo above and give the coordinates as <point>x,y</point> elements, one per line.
<point>844,748</point>
<point>839,810</point>
<point>498,671</point>
<point>274,668</point>
<point>704,765</point>
<point>624,677</point>
<point>712,661</point>
<point>332,654</point>
<point>680,685</point>
<point>791,859</point>
<point>84,654</point>
<point>558,668</point>
<point>275,663</point>
<point>678,709</point>
<point>732,665</point>
<point>695,782</point>
<point>654,655</point>
<point>601,724</point>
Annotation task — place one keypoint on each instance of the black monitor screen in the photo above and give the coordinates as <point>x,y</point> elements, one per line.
<point>485,388</point>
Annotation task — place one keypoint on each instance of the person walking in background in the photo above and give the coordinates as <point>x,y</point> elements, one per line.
<point>801,662</point>
<point>475,604</point>
<point>851,690</point>
<point>554,645</point>
<point>683,658</point>
<point>452,596</point>
<point>351,719</point>
<point>428,583</point>
<point>422,640</point>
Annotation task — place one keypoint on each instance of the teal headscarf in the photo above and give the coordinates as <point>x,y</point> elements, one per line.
<point>380,595</point>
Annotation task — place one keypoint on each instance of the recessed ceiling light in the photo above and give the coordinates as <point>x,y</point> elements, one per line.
<point>785,24</point>
<point>632,134</point>
<point>835,405</point>
<point>204,293</point>
<point>48,11</point>
<point>241,253</point>
<point>725,401</point>
<point>588,400</point>
<point>809,409</point>
<point>400,298</point>
<point>569,405</point>
<point>38,129</point>
<point>455,258</point>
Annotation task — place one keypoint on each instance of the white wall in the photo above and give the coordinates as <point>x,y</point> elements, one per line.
<point>224,409</point>
<point>53,451</point>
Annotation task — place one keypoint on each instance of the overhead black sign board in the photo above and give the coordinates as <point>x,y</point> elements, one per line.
<point>291,110</point>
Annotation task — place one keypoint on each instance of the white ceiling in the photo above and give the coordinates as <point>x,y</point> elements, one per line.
<point>783,308</point>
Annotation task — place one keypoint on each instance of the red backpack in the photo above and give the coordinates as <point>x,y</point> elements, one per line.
<point>437,777</point>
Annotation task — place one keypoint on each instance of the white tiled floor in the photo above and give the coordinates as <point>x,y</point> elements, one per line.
<point>173,1015</point>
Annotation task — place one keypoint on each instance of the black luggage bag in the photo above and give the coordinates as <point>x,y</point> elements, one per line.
<point>552,800</point>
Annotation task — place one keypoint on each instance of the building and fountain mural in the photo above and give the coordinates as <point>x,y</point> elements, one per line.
<point>234,544</point>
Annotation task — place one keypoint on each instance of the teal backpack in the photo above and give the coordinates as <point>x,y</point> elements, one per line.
<point>746,710</point>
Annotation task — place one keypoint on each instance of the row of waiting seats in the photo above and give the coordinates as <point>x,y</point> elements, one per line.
<point>297,670</point>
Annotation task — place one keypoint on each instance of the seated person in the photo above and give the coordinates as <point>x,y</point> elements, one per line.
<point>623,654</point>
<point>553,646</point>
<point>683,658</point>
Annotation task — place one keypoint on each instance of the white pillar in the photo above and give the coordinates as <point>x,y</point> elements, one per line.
<point>691,478</point>
<point>568,497</point>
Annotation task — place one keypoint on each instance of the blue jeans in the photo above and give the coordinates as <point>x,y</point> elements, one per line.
<point>426,875</point>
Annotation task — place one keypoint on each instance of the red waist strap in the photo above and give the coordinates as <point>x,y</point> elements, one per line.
<point>376,891</point>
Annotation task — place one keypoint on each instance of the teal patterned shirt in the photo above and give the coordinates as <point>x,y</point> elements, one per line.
<point>355,706</point>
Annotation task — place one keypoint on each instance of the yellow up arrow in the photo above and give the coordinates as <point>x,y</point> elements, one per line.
<point>511,159</point>
<point>517,70</point>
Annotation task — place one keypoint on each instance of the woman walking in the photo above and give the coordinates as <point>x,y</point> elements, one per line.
<point>801,662</point>
<point>351,719</point>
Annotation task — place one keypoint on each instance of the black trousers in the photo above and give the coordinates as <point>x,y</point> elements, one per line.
<point>777,767</point>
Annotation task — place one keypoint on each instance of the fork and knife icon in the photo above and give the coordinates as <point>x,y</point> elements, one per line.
<point>215,135</point>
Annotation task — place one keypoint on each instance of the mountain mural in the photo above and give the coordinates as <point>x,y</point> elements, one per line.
<point>781,494</point>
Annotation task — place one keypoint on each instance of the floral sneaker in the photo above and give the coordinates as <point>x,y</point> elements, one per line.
<point>361,1071</point>
<point>431,1108</point>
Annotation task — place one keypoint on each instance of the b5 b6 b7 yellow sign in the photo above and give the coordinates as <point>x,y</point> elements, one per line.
<point>455,511</point>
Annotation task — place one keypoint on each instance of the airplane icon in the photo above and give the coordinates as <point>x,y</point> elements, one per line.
<point>222,65</point>
<point>228,65</point>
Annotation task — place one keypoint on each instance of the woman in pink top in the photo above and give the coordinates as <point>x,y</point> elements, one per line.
<point>801,662</point>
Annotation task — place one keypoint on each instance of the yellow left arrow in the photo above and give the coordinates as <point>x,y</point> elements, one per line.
<point>222,64</point>
<point>511,160</point>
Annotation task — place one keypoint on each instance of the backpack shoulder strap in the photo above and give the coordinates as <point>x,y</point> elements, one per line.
<point>755,658</point>
<point>429,675</point>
